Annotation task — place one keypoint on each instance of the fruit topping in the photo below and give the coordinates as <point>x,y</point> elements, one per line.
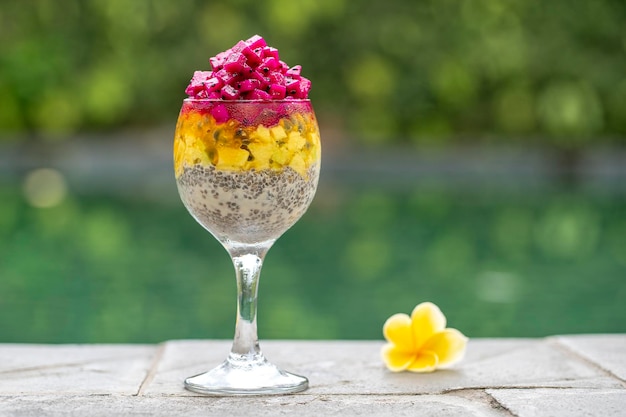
<point>250,70</point>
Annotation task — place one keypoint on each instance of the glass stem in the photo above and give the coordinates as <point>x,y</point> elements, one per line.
<point>248,262</point>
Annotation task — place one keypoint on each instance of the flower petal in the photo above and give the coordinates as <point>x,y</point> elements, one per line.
<point>396,359</point>
<point>427,319</point>
<point>397,330</point>
<point>426,361</point>
<point>449,345</point>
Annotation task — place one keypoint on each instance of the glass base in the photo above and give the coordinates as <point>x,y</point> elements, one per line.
<point>241,375</point>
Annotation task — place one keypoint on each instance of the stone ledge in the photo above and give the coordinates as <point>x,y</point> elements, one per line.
<point>560,376</point>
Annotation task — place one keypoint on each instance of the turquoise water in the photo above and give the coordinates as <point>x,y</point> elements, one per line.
<point>498,262</point>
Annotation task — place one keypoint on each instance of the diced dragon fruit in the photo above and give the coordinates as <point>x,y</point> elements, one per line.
<point>269,64</point>
<point>216,64</point>
<point>260,77</point>
<point>227,77</point>
<point>303,88</point>
<point>249,85</point>
<point>239,46</point>
<point>197,82</point>
<point>193,90</point>
<point>235,62</point>
<point>256,41</point>
<point>277,91</point>
<point>258,95</point>
<point>263,95</point>
<point>294,72</point>
<point>253,59</point>
<point>213,84</point>
<point>201,94</point>
<point>276,78</point>
<point>250,70</point>
<point>292,86</point>
<point>229,92</point>
<point>217,61</point>
<point>220,113</point>
<point>269,52</point>
<point>300,88</point>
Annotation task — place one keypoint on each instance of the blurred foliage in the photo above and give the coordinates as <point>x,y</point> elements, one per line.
<point>517,263</point>
<point>428,71</point>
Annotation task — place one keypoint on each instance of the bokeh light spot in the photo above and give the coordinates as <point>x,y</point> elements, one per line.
<point>44,188</point>
<point>498,287</point>
<point>57,114</point>
<point>569,232</point>
<point>450,254</point>
<point>106,95</point>
<point>453,84</point>
<point>368,257</point>
<point>371,77</point>
<point>570,108</point>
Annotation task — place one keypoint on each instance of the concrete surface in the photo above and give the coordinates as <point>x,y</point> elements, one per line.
<point>578,375</point>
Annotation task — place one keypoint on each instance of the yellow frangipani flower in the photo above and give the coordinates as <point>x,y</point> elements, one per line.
<point>421,342</point>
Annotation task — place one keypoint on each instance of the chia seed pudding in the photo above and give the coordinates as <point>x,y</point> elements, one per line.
<point>246,206</point>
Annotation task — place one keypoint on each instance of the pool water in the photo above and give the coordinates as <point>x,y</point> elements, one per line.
<point>97,268</point>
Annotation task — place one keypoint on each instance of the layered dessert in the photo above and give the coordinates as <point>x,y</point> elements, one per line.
<point>247,145</point>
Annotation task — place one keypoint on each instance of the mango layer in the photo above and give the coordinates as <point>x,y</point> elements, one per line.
<point>293,142</point>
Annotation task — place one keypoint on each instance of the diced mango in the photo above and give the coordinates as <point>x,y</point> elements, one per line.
<point>195,156</point>
<point>281,156</point>
<point>231,158</point>
<point>295,142</point>
<point>314,138</point>
<point>193,146</point>
<point>262,134</point>
<point>278,133</point>
<point>298,165</point>
<point>261,153</point>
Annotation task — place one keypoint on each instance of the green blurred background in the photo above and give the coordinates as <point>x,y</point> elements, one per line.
<point>474,156</point>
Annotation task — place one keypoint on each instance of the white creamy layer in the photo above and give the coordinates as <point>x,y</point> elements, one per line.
<point>246,206</point>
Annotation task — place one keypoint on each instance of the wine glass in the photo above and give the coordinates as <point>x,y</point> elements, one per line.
<point>246,170</point>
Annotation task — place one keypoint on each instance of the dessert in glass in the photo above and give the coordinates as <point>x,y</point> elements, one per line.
<point>247,161</point>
